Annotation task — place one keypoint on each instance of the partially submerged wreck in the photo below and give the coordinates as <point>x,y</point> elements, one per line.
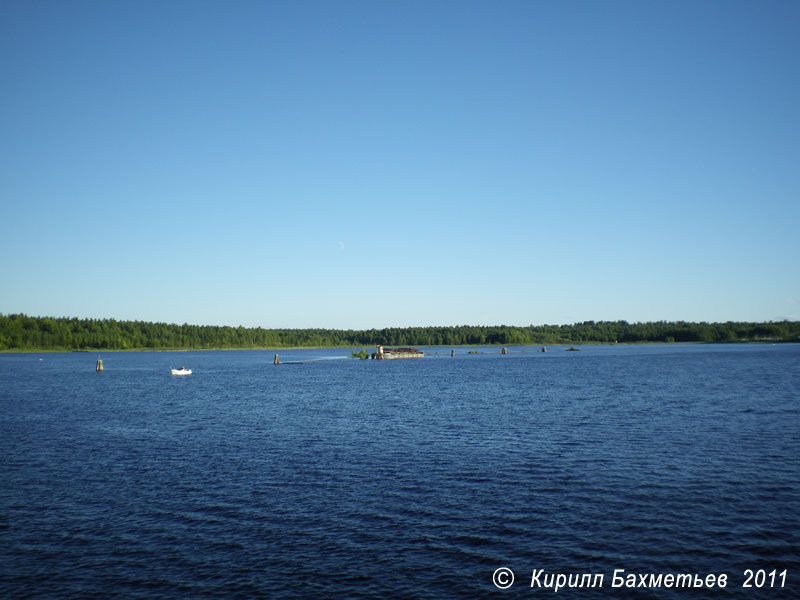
<point>391,353</point>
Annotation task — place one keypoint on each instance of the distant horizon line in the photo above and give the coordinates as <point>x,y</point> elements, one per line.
<point>588,321</point>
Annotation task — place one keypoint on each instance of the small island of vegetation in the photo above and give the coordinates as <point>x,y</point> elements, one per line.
<point>19,332</point>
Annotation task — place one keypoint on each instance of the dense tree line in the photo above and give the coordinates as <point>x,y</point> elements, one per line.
<point>22,332</point>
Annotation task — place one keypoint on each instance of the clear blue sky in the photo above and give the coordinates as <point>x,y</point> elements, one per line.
<point>372,164</point>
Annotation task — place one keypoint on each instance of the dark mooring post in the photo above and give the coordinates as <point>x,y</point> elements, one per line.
<point>99,367</point>
<point>276,361</point>
<point>453,352</point>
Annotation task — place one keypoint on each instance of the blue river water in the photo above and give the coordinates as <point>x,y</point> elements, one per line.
<point>326,477</point>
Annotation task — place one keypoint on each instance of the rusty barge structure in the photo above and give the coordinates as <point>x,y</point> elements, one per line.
<point>391,353</point>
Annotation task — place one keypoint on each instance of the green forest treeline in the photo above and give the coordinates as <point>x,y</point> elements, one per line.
<point>21,332</point>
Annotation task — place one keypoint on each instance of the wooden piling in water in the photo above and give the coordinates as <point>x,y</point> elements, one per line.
<point>99,367</point>
<point>276,361</point>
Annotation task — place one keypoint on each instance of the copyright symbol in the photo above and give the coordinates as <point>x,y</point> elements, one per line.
<point>503,578</point>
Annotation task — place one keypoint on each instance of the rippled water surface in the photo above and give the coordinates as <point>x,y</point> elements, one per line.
<point>325,478</point>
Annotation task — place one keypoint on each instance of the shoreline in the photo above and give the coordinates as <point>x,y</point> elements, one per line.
<point>273,349</point>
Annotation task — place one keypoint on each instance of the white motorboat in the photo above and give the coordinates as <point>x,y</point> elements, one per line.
<point>181,371</point>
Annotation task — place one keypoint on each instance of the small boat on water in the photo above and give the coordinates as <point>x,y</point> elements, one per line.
<point>181,371</point>
<point>391,353</point>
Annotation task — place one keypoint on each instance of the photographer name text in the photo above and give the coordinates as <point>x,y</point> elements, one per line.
<point>503,578</point>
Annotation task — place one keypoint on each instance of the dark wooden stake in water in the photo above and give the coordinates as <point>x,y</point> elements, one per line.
<point>276,361</point>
